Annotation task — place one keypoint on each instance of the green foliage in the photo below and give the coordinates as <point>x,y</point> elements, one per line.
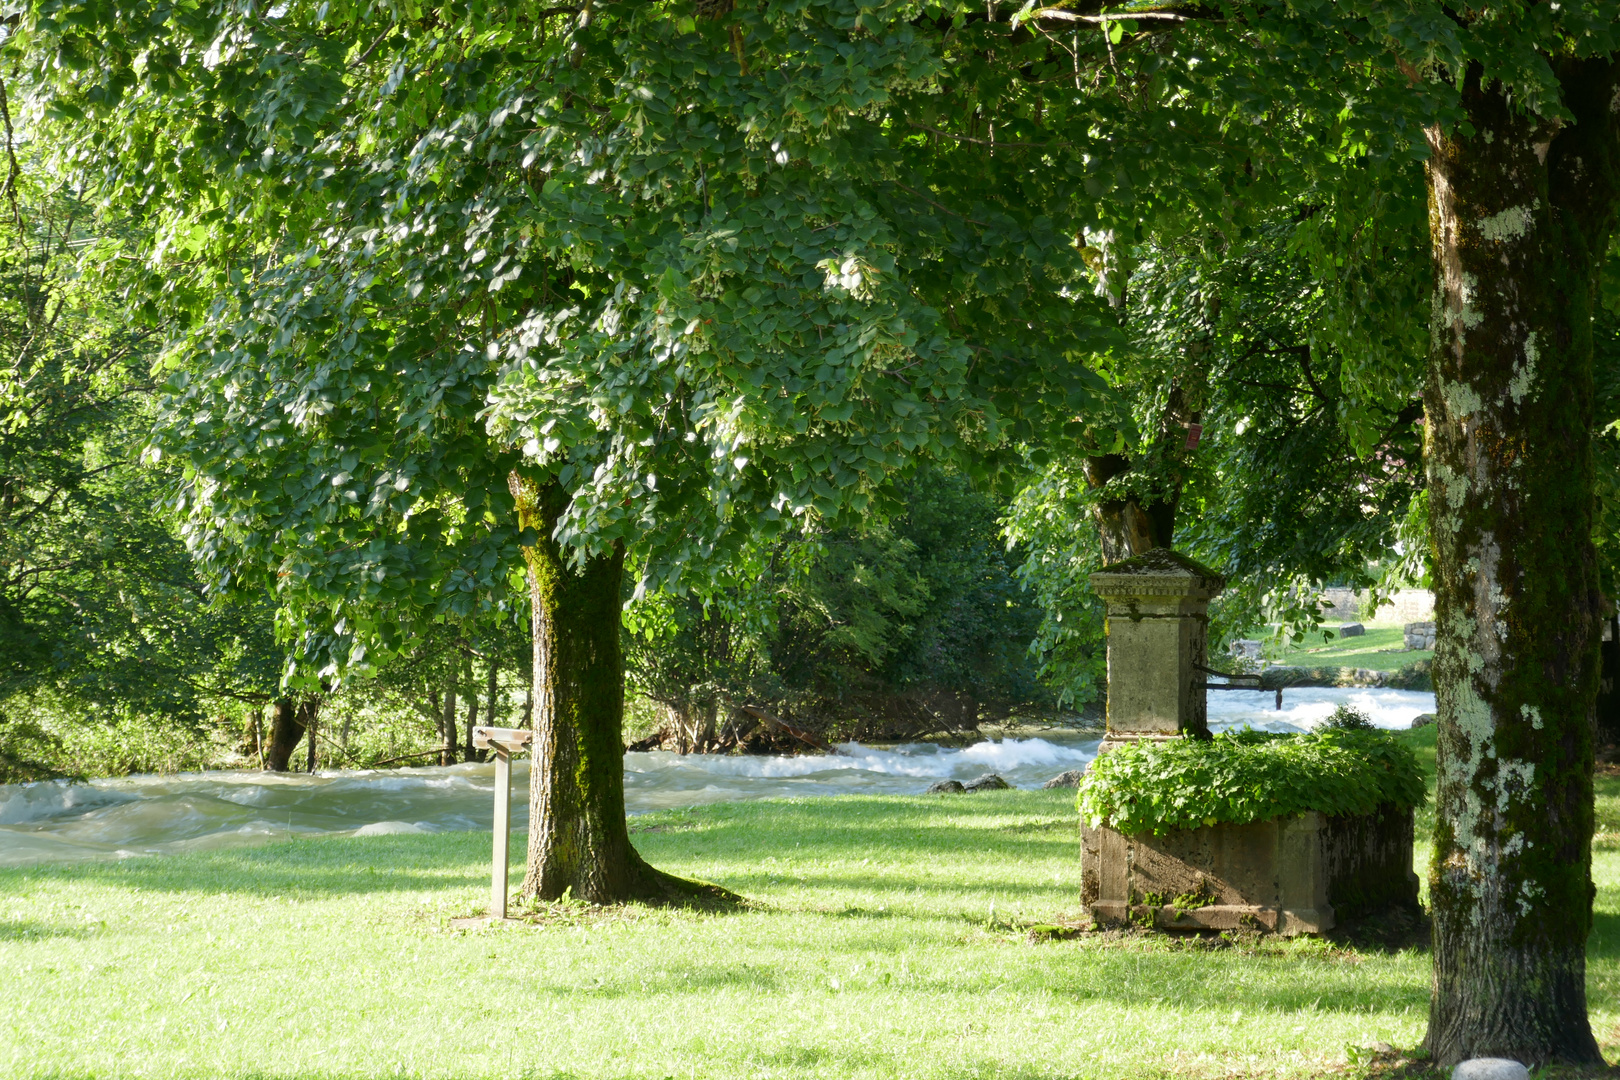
<point>899,625</point>
<point>1050,525</point>
<point>719,281</point>
<point>919,621</point>
<point>1347,717</point>
<point>1245,776</point>
<point>103,620</point>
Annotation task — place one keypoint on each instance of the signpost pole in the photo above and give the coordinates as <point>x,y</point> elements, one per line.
<point>504,741</point>
<point>503,820</point>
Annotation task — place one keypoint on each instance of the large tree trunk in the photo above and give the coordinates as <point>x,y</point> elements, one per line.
<point>289,717</point>
<point>1520,214</point>
<point>578,842</point>
<point>1127,526</point>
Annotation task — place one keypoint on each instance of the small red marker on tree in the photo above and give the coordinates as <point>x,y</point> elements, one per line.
<point>1194,431</point>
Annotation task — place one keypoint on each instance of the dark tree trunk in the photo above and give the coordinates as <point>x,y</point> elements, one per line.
<point>309,716</point>
<point>1520,215</point>
<point>447,727</point>
<point>1140,513</point>
<point>491,693</point>
<point>289,718</point>
<point>578,841</point>
<point>1128,527</point>
<point>467,751</point>
<point>253,735</point>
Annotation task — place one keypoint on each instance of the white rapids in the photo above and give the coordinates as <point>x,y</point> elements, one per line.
<point>55,821</point>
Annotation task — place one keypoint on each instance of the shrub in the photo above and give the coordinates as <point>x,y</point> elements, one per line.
<point>1349,718</point>
<point>1240,777</point>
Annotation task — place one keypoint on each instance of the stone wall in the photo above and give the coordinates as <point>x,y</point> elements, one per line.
<point>1405,605</point>
<point>1289,876</point>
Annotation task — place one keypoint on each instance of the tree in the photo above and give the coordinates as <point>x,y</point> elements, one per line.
<point>101,614</point>
<point>1519,131</point>
<point>693,308</point>
<point>905,626</point>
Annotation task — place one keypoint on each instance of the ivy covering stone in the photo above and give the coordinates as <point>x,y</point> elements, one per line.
<point>1240,777</point>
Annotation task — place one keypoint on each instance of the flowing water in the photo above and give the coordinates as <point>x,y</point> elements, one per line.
<point>109,819</point>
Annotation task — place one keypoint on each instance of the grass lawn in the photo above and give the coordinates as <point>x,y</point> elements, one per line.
<point>1370,650</point>
<point>888,940</point>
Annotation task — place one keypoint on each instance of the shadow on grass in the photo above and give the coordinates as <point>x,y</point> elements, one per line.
<point>303,868</point>
<point>28,930</point>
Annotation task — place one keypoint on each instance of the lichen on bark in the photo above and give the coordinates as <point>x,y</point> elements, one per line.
<point>1520,213</point>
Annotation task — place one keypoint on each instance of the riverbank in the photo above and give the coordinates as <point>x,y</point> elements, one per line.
<point>888,936</point>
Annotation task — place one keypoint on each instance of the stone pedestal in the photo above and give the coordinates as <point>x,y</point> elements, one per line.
<point>1289,876</point>
<point>1295,875</point>
<point>1157,625</point>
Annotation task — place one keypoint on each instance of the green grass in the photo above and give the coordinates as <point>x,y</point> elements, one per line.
<point>1369,650</point>
<point>888,940</point>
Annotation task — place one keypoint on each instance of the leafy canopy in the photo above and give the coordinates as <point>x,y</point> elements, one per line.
<point>714,270</point>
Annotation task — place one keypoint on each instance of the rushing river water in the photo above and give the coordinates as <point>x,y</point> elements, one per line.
<point>109,819</point>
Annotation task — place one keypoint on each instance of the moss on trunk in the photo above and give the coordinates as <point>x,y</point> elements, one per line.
<point>578,841</point>
<point>1520,212</point>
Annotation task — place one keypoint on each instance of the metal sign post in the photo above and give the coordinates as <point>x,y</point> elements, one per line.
<point>505,742</point>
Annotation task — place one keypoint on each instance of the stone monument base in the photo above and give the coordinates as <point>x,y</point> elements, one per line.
<point>1294,875</point>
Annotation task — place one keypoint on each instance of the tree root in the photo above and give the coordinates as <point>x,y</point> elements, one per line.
<point>652,886</point>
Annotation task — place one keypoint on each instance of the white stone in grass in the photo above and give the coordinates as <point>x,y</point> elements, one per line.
<point>1490,1069</point>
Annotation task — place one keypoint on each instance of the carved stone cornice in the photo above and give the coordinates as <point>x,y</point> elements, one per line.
<point>1157,576</point>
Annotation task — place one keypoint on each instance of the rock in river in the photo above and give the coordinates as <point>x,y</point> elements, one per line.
<point>988,782</point>
<point>1071,778</point>
<point>946,787</point>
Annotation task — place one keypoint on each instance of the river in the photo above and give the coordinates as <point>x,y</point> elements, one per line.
<point>56,821</point>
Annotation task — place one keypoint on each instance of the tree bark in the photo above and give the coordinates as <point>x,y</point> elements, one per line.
<point>1127,526</point>
<point>578,841</point>
<point>310,718</point>
<point>1143,515</point>
<point>289,717</point>
<point>1520,215</point>
<point>447,727</point>
<point>491,693</point>
<point>467,752</point>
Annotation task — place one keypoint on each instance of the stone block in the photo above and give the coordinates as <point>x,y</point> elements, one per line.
<point>1490,1069</point>
<point>1246,649</point>
<point>1354,629</point>
<point>1407,605</point>
<point>1157,626</point>
<point>1288,876</point>
<point>1419,636</point>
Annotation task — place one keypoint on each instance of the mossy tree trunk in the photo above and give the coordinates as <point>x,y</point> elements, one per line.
<point>578,840</point>
<point>1520,212</point>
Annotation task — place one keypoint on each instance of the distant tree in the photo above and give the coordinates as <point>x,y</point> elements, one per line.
<point>99,603</point>
<point>902,626</point>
